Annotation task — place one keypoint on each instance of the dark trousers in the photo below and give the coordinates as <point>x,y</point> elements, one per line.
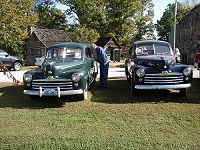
<point>104,75</point>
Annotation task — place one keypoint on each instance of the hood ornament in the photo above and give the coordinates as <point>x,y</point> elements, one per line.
<point>150,64</point>
<point>165,72</point>
<point>50,78</point>
<point>165,66</point>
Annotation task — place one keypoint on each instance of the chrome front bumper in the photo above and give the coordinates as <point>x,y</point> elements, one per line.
<point>162,87</point>
<point>52,92</point>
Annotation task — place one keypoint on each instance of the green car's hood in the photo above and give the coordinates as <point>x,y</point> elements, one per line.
<point>62,67</point>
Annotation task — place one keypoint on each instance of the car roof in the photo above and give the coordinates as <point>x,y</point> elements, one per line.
<point>2,51</point>
<point>152,42</point>
<point>70,44</point>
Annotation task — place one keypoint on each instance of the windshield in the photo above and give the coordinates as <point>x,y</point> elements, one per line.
<point>153,49</point>
<point>3,53</point>
<point>64,53</point>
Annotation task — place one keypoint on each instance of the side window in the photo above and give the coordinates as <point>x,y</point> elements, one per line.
<point>88,53</point>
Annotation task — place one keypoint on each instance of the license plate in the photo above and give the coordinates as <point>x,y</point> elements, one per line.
<point>49,92</point>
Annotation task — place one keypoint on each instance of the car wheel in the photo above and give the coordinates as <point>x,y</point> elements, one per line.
<point>95,80</point>
<point>95,77</point>
<point>182,92</point>
<point>127,74</point>
<point>9,69</point>
<point>133,90</point>
<point>84,95</point>
<point>128,78</point>
<point>17,66</point>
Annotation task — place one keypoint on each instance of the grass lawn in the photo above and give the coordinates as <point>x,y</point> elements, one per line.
<point>110,119</point>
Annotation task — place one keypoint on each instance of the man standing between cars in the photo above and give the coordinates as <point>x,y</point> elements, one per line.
<point>104,64</point>
<point>177,55</point>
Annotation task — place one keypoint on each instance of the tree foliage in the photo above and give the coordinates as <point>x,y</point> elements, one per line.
<point>114,17</point>
<point>83,35</point>
<point>166,23</point>
<point>144,21</point>
<point>49,16</point>
<point>16,17</point>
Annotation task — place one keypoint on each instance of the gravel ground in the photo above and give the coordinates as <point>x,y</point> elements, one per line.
<point>18,75</point>
<point>116,70</point>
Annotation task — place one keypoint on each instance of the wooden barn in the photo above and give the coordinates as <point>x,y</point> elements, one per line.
<point>111,46</point>
<point>40,39</point>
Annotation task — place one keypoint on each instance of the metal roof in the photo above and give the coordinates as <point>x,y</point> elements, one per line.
<point>51,36</point>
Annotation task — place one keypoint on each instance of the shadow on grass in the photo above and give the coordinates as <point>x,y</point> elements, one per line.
<point>118,91</point>
<point>12,96</point>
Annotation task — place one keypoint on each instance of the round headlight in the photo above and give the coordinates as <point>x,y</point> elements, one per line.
<point>76,77</point>
<point>140,72</point>
<point>27,77</point>
<point>187,71</point>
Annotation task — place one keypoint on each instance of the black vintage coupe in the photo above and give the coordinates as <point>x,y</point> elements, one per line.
<point>151,65</point>
<point>68,69</point>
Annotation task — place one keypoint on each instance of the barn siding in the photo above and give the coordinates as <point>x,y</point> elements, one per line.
<point>188,35</point>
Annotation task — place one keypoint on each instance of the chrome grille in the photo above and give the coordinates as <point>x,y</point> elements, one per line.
<point>163,79</point>
<point>64,85</point>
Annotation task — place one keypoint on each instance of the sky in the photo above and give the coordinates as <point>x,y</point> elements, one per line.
<point>161,5</point>
<point>159,8</point>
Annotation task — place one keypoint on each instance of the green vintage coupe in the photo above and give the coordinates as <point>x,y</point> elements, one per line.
<point>68,69</point>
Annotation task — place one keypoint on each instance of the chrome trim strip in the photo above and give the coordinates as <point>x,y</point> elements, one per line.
<point>163,77</point>
<point>165,82</point>
<point>52,83</point>
<point>165,74</point>
<point>54,80</point>
<point>162,87</point>
<point>69,92</point>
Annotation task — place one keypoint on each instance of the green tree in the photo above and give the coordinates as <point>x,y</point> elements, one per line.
<point>107,17</point>
<point>166,23</point>
<point>16,17</point>
<point>121,21</point>
<point>49,16</point>
<point>83,34</point>
<point>144,21</point>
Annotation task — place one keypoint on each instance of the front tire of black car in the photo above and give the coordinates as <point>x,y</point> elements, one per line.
<point>133,90</point>
<point>182,92</point>
<point>17,66</point>
<point>128,78</point>
<point>127,75</point>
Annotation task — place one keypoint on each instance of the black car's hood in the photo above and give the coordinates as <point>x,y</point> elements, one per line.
<point>15,57</point>
<point>161,62</point>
